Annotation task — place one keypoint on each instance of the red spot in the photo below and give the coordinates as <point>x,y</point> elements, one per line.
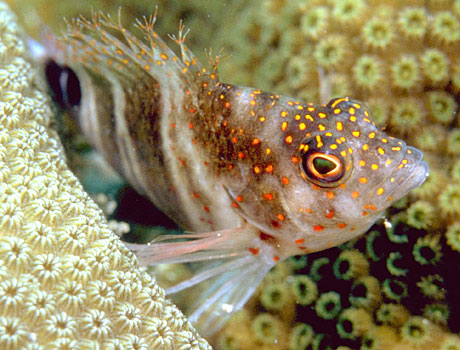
<point>269,168</point>
<point>285,180</point>
<point>299,241</point>
<point>330,214</point>
<point>364,213</point>
<point>253,251</point>
<point>373,207</point>
<point>276,258</point>
<point>294,159</point>
<point>173,125</point>
<point>234,140</point>
<point>268,196</point>
<point>241,155</point>
<point>276,224</point>
<point>196,195</point>
<point>194,141</point>
<point>341,225</point>
<point>206,163</point>
<point>230,167</point>
<point>190,125</point>
<point>235,204</point>
<point>183,162</point>
<point>318,227</point>
<point>266,237</point>
<point>206,209</point>
<point>192,110</point>
<point>239,198</point>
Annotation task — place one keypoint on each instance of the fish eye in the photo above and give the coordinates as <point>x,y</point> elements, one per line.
<point>323,165</point>
<point>64,84</point>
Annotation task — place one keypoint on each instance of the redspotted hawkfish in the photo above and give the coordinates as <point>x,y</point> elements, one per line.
<point>252,177</point>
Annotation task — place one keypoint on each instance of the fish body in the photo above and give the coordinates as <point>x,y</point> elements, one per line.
<point>255,177</point>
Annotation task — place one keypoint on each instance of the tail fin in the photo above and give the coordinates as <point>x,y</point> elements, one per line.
<point>233,279</point>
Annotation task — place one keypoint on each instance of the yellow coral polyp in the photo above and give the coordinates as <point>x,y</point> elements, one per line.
<point>66,281</point>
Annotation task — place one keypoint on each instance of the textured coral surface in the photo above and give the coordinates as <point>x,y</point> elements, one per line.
<point>66,281</point>
<point>395,288</point>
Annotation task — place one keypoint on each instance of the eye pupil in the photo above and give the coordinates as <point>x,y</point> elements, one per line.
<point>323,166</point>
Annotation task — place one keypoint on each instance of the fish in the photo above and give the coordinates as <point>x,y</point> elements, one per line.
<point>252,177</point>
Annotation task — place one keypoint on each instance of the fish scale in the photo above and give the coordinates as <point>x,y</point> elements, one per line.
<point>254,177</point>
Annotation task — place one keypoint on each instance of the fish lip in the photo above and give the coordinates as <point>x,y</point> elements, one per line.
<point>415,178</point>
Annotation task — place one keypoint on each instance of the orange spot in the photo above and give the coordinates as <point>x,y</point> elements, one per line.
<point>253,251</point>
<point>252,103</point>
<point>294,159</point>
<point>280,217</point>
<point>341,225</point>
<point>284,126</point>
<point>330,214</point>
<point>318,227</point>
<point>234,140</point>
<point>362,163</point>
<point>269,168</point>
<point>268,151</point>
<point>192,110</point>
<point>354,194</point>
<point>288,139</point>
<point>276,258</point>
<point>330,195</point>
<point>364,213</point>
<point>308,211</point>
<point>285,180</point>
<point>190,126</point>
<point>206,209</point>
<point>268,196</point>
<point>239,198</point>
<point>241,155</point>
<point>256,169</point>
<point>266,237</point>
<point>173,125</point>
<point>196,195</point>
<point>362,180</point>
<point>299,241</point>
<point>255,141</point>
<point>227,104</point>
<point>235,204</point>
<point>373,207</point>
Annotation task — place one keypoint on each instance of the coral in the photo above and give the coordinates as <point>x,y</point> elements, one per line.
<point>66,279</point>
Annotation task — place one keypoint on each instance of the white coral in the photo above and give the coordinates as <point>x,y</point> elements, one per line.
<point>66,281</point>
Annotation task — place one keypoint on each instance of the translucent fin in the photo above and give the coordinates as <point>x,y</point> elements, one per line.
<point>233,272</point>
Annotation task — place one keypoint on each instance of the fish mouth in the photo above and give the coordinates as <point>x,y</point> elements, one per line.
<point>410,173</point>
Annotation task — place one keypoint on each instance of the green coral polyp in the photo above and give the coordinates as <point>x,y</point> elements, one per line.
<point>435,66</point>
<point>413,22</point>
<point>368,72</point>
<point>353,323</point>
<point>378,33</point>
<point>317,267</point>
<point>449,199</point>
<point>315,22</point>
<point>453,236</point>
<point>416,331</point>
<point>427,250</point>
<point>438,313</point>
<point>348,11</point>
<point>328,305</point>
<point>405,73</point>
<point>392,314</point>
<point>421,215</point>
<point>442,106</point>
<point>394,289</point>
<point>304,289</point>
<point>266,328</point>
<point>392,264</point>
<point>407,115</point>
<point>350,264</point>
<point>275,296</point>
<point>365,293</point>
<point>432,286</point>
<point>453,142</point>
<point>331,52</point>
<point>446,28</point>
<point>301,336</point>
